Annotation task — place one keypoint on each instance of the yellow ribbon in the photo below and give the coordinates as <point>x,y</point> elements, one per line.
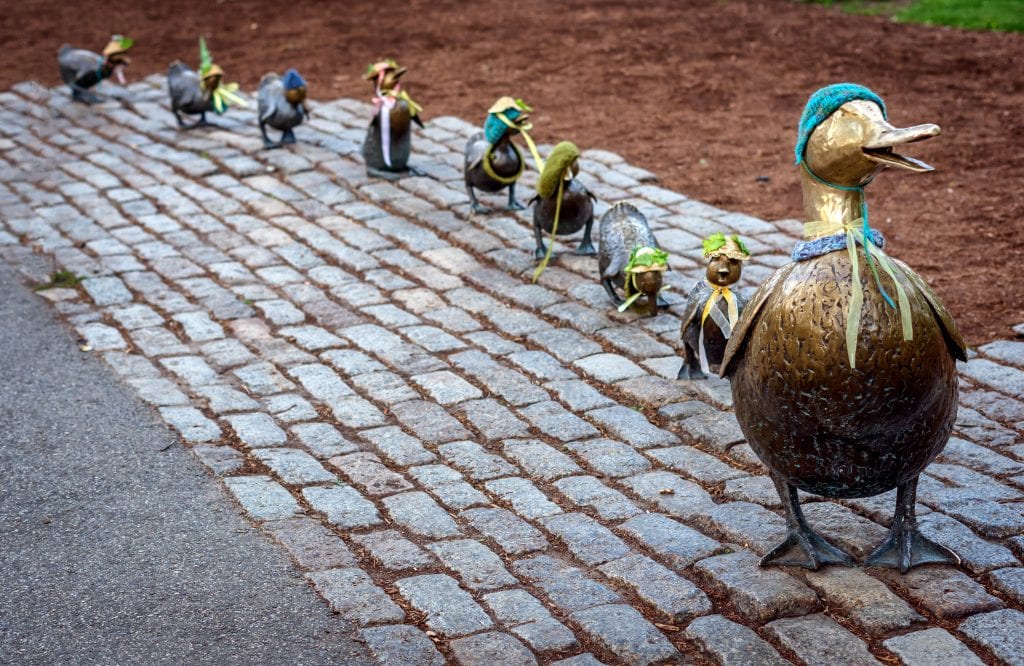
<point>855,234</point>
<point>414,108</point>
<point>485,162</point>
<point>224,95</point>
<point>554,230</point>
<point>730,301</point>
<point>537,161</point>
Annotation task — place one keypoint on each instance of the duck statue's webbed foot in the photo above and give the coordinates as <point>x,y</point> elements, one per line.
<point>906,547</point>
<point>586,247</point>
<point>802,547</point>
<point>512,203</point>
<point>86,96</point>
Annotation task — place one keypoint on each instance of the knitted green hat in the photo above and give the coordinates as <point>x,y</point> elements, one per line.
<point>560,159</point>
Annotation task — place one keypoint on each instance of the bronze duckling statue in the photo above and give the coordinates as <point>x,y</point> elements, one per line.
<point>197,93</point>
<point>839,389</point>
<point>493,162</point>
<point>281,105</point>
<point>630,259</point>
<point>562,204</point>
<point>81,69</point>
<point>712,308</point>
<point>389,137</point>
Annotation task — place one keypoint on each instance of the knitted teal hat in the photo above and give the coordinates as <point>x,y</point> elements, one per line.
<point>494,129</point>
<point>824,103</point>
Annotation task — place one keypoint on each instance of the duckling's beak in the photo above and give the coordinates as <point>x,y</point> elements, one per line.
<point>880,149</point>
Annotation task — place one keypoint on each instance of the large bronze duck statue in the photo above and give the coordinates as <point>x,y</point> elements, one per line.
<point>713,307</point>
<point>630,259</point>
<point>843,365</point>
<point>388,141</point>
<point>493,162</point>
<point>562,204</point>
<point>81,69</point>
<point>281,101</point>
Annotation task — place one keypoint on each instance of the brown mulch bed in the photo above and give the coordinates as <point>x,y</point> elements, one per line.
<point>705,93</point>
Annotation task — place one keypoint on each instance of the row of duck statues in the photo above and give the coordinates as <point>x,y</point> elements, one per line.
<point>842,365</point>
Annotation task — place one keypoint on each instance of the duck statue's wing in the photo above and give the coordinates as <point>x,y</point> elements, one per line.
<point>695,300</point>
<point>749,316</point>
<point>954,340</point>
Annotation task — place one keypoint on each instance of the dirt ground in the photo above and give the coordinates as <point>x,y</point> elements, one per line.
<point>705,93</point>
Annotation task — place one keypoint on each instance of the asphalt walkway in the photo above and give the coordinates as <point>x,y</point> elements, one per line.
<point>117,546</point>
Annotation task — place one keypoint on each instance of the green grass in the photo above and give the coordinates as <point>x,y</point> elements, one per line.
<point>1004,15</point>
<point>62,280</point>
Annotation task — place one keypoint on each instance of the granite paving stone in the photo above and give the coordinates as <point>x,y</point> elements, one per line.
<point>585,538</point>
<point>523,496</point>
<point>673,495</point>
<point>394,552</point>
<point>449,609</point>
<point>931,646</point>
<point>944,591</point>
<point>262,498</point>
<point>624,632</point>
<point>322,439</point>
<point>399,645</point>
<point>310,544</point>
<point>492,420</point>
<point>512,534</point>
<point>343,506</point>
<point>257,429</point>
<point>474,461</point>
<point>1010,582</point>
<point>418,513</point>
<point>553,420</point>
<point>429,422</point>
<point>696,464</point>
<point>610,458</point>
<point>539,459</point>
<point>294,466</point>
<point>631,427</point>
<point>976,554</point>
<point>867,601</point>
<point>677,544</point>
<point>475,564</point>
<point>352,595</point>
<point>760,594</point>
<point>191,424</point>
<point>446,388</point>
<point>609,368</point>
<point>676,599</point>
<point>398,447</point>
<point>731,644</point>
<point>565,586</point>
<point>1001,632</point>
<point>819,641</point>
<point>587,491</point>
<point>528,619</point>
<point>492,647</point>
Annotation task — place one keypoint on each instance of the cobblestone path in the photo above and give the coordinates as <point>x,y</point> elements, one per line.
<point>469,467</point>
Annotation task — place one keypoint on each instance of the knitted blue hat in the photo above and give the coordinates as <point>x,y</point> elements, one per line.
<point>494,129</point>
<point>293,80</point>
<point>824,103</point>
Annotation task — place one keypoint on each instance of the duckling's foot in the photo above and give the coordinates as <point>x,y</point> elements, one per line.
<point>479,208</point>
<point>288,137</point>
<point>540,251</point>
<point>515,205</point>
<point>904,549</point>
<point>586,248</point>
<point>270,145</point>
<point>686,372</point>
<point>86,97</point>
<point>804,548</point>
<point>413,171</point>
<point>382,173</point>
